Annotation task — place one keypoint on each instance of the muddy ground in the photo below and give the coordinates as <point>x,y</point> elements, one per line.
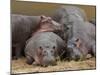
<point>20,66</point>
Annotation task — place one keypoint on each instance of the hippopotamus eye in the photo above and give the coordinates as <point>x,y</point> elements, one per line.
<point>54,47</point>
<point>77,40</point>
<point>41,48</point>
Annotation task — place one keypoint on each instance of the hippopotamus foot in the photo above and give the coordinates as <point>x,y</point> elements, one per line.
<point>29,60</point>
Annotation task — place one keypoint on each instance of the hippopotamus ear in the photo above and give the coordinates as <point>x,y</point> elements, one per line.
<point>78,42</point>
<point>54,47</point>
<point>42,17</point>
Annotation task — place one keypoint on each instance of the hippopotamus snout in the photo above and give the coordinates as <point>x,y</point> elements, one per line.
<point>50,61</point>
<point>48,58</point>
<point>75,53</point>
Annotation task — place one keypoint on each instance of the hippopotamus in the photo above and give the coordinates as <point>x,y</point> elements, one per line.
<point>24,26</point>
<point>43,48</point>
<point>82,41</point>
<point>66,15</point>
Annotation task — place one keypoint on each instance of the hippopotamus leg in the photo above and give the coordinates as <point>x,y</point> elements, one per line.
<point>29,60</point>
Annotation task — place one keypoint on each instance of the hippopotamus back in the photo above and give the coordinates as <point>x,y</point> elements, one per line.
<point>66,15</point>
<point>23,26</point>
<point>69,13</point>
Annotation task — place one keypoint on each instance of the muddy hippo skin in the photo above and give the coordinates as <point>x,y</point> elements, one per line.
<point>83,40</point>
<point>43,48</point>
<point>23,27</point>
<point>66,15</point>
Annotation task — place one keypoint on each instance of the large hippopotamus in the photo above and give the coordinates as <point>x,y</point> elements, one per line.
<point>76,29</point>
<point>82,41</point>
<point>23,26</point>
<point>66,15</point>
<point>43,48</point>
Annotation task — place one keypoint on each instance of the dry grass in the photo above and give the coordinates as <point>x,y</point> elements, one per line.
<point>20,66</point>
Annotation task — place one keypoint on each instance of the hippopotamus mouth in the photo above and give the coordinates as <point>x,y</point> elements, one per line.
<point>46,63</point>
<point>74,51</point>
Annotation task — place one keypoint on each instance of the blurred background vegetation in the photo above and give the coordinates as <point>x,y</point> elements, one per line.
<point>40,8</point>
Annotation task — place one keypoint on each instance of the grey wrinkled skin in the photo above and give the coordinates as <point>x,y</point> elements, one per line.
<point>83,40</point>
<point>43,48</point>
<point>70,13</point>
<point>22,28</point>
<point>66,15</point>
<point>76,27</point>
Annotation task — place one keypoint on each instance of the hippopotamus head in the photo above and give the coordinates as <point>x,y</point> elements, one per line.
<point>46,55</point>
<point>74,50</point>
<point>67,28</point>
<point>48,24</point>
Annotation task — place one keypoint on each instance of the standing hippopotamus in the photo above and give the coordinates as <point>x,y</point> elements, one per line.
<point>82,41</point>
<point>23,27</point>
<point>43,48</point>
<point>66,15</point>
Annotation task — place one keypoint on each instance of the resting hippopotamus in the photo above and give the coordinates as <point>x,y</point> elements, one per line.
<point>82,41</point>
<point>23,27</point>
<point>66,15</point>
<point>43,48</point>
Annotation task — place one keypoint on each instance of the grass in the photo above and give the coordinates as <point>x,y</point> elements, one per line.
<point>20,66</point>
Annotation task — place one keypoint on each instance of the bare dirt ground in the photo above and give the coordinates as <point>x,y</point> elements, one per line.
<point>20,66</point>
